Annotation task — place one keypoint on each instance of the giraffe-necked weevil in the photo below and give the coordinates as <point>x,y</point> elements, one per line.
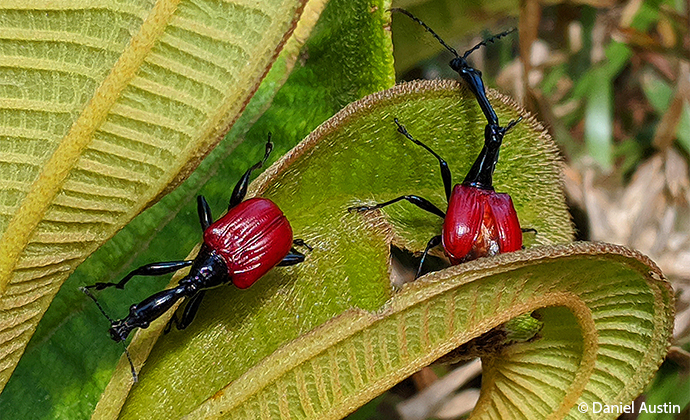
<point>479,221</point>
<point>239,248</point>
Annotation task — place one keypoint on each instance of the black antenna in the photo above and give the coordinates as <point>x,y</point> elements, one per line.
<point>129,358</point>
<point>416,19</point>
<point>472,76</point>
<point>490,40</point>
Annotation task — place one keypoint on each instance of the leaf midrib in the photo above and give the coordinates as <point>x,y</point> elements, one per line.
<point>57,168</point>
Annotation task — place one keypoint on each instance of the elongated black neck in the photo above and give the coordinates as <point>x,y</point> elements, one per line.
<point>473,79</point>
<point>482,171</point>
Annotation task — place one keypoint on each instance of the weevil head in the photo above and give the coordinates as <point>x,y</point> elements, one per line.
<point>458,64</point>
<point>119,330</point>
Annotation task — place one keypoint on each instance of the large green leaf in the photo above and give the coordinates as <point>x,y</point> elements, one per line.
<point>356,155</point>
<point>607,318</point>
<point>105,108</point>
<point>73,335</point>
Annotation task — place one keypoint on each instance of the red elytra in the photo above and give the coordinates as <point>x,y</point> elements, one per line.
<point>251,238</point>
<point>479,223</point>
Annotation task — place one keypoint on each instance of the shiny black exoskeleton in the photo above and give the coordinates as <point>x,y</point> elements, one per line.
<point>480,175</point>
<point>208,271</point>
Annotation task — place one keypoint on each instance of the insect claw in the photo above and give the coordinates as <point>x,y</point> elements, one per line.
<point>300,242</point>
<point>401,128</point>
<point>513,123</point>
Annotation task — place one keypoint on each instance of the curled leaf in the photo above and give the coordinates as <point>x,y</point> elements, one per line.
<point>357,155</point>
<point>605,333</point>
<point>319,339</point>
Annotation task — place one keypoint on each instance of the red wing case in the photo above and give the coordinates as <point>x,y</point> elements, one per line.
<point>479,223</point>
<point>507,223</point>
<point>252,238</point>
<point>463,221</point>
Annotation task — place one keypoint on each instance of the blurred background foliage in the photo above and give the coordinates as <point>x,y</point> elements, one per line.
<point>611,82</point>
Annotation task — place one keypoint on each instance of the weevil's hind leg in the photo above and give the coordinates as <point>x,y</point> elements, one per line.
<point>153,269</point>
<point>293,257</point>
<point>420,202</point>
<point>188,313</point>
<point>529,235</point>
<point>204,212</point>
<point>241,187</point>
<point>433,242</point>
<point>445,171</point>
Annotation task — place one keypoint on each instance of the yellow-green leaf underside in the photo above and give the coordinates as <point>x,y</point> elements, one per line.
<point>607,317</point>
<point>105,106</point>
<point>319,339</point>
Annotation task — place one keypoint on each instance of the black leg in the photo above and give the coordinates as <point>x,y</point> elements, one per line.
<point>300,242</point>
<point>188,314</point>
<point>417,201</point>
<point>204,211</point>
<point>153,269</point>
<point>512,124</point>
<point>529,230</point>
<point>445,171</point>
<point>435,241</point>
<point>241,187</point>
<point>292,258</point>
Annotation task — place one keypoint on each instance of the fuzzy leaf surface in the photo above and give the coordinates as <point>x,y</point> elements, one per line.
<point>348,267</point>
<point>320,339</point>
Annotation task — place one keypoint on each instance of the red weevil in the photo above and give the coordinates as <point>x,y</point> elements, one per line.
<point>479,222</point>
<point>239,248</point>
